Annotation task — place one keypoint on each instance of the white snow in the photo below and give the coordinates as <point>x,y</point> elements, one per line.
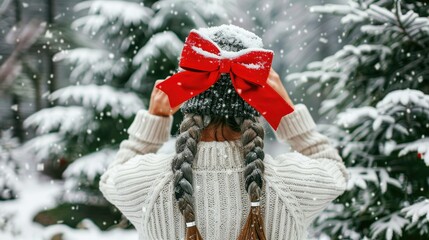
<point>85,170</point>
<point>88,63</point>
<point>391,224</point>
<point>332,8</point>
<point>360,176</point>
<point>99,98</point>
<point>23,209</point>
<point>89,232</point>
<point>65,119</point>
<point>352,116</point>
<point>249,39</point>
<point>227,54</point>
<point>252,65</point>
<point>205,53</point>
<point>90,23</point>
<point>9,184</point>
<point>38,194</point>
<point>404,97</point>
<point>419,146</point>
<point>381,14</point>
<point>82,55</point>
<point>417,210</point>
<point>114,10</point>
<point>91,165</point>
<point>374,30</point>
<point>44,146</point>
<point>166,42</point>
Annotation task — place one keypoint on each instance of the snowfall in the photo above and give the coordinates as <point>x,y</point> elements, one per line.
<point>38,193</point>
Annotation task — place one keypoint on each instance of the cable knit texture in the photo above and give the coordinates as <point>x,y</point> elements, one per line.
<point>298,185</point>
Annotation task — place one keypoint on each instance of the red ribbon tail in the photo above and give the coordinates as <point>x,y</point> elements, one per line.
<point>265,100</point>
<point>274,116</point>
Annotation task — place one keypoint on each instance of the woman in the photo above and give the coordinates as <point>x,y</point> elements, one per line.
<point>219,171</point>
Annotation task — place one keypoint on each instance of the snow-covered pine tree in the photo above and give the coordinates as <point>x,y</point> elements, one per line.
<point>9,182</point>
<point>375,92</point>
<point>131,44</point>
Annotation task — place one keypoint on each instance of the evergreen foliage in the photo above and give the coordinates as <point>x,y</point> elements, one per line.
<point>130,45</point>
<point>375,93</point>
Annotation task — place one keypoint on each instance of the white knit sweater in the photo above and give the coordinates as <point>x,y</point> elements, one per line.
<point>297,187</point>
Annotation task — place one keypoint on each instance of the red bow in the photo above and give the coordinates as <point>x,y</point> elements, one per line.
<point>203,62</point>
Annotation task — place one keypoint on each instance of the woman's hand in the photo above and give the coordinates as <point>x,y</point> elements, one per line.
<point>159,104</point>
<point>275,82</point>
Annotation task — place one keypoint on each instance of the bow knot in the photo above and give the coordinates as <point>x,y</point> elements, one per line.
<point>203,63</point>
<point>225,65</point>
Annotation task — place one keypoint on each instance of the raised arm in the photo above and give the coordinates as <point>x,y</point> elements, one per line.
<point>135,169</point>
<point>130,177</point>
<point>314,173</point>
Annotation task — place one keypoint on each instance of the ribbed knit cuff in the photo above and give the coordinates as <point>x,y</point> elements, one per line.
<point>151,128</point>
<point>295,123</point>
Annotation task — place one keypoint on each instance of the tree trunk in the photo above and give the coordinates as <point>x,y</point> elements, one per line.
<point>51,66</point>
<point>16,109</point>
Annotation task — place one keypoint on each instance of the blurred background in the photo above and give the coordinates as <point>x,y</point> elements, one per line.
<point>74,73</point>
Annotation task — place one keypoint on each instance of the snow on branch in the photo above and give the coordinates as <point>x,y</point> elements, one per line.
<point>166,43</point>
<point>410,25</point>
<point>9,183</point>
<point>87,230</point>
<point>388,112</point>
<point>45,146</point>
<point>352,117</point>
<point>84,173</point>
<point>379,20</point>
<point>89,63</point>
<point>64,119</point>
<point>418,213</point>
<point>100,98</point>
<point>91,165</point>
<point>420,146</point>
<point>404,97</point>
<point>338,67</point>
<point>102,13</point>
<point>82,55</point>
<point>352,13</point>
<point>360,176</point>
<point>391,225</point>
<point>333,9</point>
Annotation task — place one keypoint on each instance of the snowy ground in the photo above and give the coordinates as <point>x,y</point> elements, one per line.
<point>38,193</point>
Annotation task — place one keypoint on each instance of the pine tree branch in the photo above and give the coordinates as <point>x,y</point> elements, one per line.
<point>401,25</point>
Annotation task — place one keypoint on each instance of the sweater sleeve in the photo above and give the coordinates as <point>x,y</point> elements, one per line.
<point>314,173</point>
<point>131,175</point>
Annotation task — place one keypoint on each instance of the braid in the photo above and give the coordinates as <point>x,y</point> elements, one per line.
<point>186,148</point>
<point>252,138</point>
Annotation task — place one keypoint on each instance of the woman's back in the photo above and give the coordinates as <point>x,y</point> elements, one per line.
<point>297,185</point>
